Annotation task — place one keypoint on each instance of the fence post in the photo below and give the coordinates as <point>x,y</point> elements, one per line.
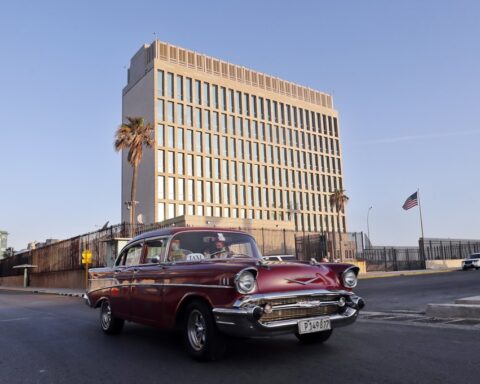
<point>394,256</point>
<point>385,257</point>
<point>408,259</point>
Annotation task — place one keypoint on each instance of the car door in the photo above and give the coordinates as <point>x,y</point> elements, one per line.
<point>147,285</point>
<point>120,299</point>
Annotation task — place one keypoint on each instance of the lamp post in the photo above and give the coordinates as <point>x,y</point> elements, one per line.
<point>368,225</point>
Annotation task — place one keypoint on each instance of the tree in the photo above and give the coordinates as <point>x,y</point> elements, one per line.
<point>134,135</point>
<point>338,199</point>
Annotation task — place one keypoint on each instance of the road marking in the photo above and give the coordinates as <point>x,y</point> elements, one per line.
<point>419,319</point>
<point>16,319</point>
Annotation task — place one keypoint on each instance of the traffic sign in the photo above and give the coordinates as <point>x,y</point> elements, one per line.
<point>87,257</point>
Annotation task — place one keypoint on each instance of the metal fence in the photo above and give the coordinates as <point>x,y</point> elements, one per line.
<point>448,249</point>
<point>311,246</point>
<point>393,259</point>
<point>65,255</point>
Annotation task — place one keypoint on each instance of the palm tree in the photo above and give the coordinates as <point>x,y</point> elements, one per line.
<point>133,135</point>
<point>338,199</point>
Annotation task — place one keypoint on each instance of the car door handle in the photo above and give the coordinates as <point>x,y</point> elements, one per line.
<point>118,270</point>
<point>135,270</point>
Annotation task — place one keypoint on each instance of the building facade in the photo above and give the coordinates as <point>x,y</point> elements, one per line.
<point>230,143</point>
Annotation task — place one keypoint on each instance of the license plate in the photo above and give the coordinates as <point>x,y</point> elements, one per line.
<point>317,324</point>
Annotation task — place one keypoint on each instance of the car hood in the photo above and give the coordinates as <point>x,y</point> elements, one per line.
<point>286,276</point>
<point>279,276</point>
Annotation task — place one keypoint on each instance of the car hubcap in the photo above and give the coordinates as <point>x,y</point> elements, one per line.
<point>106,315</point>
<point>196,330</point>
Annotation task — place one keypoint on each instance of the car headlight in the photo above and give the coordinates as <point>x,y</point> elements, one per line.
<point>245,281</point>
<point>349,279</point>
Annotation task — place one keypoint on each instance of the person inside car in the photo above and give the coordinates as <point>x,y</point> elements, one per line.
<point>218,250</point>
<point>176,253</point>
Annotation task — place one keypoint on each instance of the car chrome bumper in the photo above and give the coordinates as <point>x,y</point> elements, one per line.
<point>87,300</point>
<point>243,321</point>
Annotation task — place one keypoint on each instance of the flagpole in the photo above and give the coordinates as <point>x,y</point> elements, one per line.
<point>422,250</point>
<point>420,210</point>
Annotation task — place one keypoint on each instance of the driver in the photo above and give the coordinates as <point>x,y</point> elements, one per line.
<point>219,250</point>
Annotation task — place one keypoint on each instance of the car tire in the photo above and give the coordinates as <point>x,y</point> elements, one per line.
<point>202,338</point>
<point>313,338</point>
<point>110,324</point>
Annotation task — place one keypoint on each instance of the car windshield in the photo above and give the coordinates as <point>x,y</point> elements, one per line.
<point>475,256</point>
<point>201,245</point>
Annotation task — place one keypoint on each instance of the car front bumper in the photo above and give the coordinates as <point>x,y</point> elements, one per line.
<point>244,321</point>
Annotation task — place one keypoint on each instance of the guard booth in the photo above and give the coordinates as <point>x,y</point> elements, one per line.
<point>26,275</point>
<point>114,247</point>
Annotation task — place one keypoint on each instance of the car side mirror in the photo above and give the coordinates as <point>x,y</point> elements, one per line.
<point>155,259</point>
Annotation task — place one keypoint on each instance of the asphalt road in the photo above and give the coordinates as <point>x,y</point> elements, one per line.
<point>415,292</point>
<point>56,339</point>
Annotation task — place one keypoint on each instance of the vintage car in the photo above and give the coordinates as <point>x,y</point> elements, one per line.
<point>211,283</point>
<point>473,261</point>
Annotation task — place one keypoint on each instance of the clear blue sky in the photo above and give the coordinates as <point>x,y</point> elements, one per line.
<point>404,75</point>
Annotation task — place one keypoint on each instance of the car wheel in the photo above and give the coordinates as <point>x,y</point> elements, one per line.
<point>110,324</point>
<point>202,338</point>
<point>312,338</point>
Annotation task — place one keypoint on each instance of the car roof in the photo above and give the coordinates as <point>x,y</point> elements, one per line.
<point>173,230</point>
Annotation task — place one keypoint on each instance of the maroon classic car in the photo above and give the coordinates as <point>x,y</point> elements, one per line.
<point>212,283</point>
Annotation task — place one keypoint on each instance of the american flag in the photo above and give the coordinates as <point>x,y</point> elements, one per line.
<point>411,202</point>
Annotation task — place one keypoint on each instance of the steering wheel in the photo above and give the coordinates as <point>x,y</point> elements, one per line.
<point>220,251</point>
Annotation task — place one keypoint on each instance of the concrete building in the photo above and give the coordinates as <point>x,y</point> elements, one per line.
<point>3,243</point>
<point>230,143</point>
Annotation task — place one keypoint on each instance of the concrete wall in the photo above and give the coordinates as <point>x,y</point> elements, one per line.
<point>360,264</point>
<point>439,264</point>
<point>12,281</point>
<point>63,279</point>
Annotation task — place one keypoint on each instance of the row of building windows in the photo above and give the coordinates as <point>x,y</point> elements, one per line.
<point>193,91</point>
<point>178,163</point>
<point>305,222</point>
<point>310,142</point>
<point>184,189</point>
<point>217,145</point>
<point>192,117</point>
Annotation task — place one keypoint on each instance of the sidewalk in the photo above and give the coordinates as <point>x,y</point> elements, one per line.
<point>368,275</point>
<point>46,291</point>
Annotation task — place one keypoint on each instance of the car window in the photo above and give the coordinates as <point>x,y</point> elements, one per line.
<point>200,245</point>
<point>133,255</point>
<point>155,250</point>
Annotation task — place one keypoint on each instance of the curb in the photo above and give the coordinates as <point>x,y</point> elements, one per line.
<point>42,292</point>
<point>405,273</point>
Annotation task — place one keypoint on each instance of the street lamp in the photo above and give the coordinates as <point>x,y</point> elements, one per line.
<point>368,225</point>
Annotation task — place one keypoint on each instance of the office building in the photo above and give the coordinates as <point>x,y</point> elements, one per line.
<point>230,143</point>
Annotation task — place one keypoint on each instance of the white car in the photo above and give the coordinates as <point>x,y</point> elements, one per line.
<point>473,261</point>
<point>280,258</point>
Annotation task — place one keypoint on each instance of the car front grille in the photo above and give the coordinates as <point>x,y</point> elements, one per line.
<point>299,307</point>
<point>298,313</point>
